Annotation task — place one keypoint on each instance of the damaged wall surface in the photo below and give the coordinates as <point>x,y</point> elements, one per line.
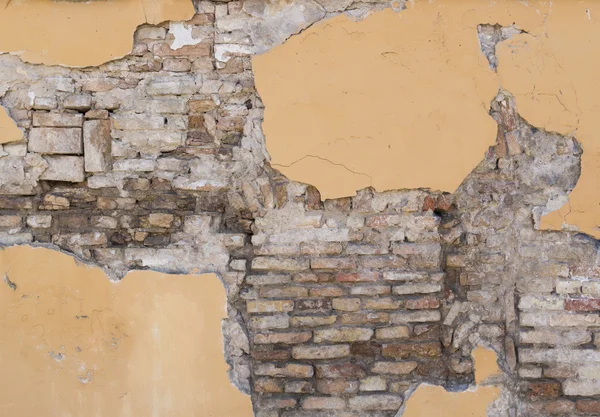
<point>336,307</point>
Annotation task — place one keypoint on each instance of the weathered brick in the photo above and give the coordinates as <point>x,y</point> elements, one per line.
<point>321,352</point>
<point>375,402</point>
<point>312,305</point>
<point>582,304</point>
<point>323,403</point>
<point>364,318</point>
<point>404,350</point>
<point>299,387</point>
<point>384,303</point>
<point>268,385</point>
<point>394,332</point>
<point>415,316</point>
<point>332,263</point>
<point>587,387</point>
<point>543,389</point>
<point>271,353</point>
<point>588,406</point>
<point>373,383</point>
<point>393,368</point>
<point>422,303</point>
<point>312,321</point>
<point>340,370</point>
<point>371,290</point>
<point>346,304</point>
<point>10,221</point>
<point>405,276</point>
<point>269,306</point>
<point>279,321</point>
<point>357,277</point>
<point>337,386</point>
<point>283,292</point>
<point>276,402</point>
<point>320,248</point>
<point>289,370</point>
<point>326,291</point>
<point>283,338</point>
<point>343,334</point>
<point>286,264</point>
<point>420,288</point>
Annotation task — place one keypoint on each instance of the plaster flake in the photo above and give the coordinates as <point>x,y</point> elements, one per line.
<point>182,34</point>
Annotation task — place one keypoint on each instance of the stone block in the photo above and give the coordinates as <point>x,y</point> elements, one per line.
<point>64,168</point>
<point>47,140</point>
<point>348,334</point>
<point>97,145</point>
<point>57,119</point>
<point>375,402</point>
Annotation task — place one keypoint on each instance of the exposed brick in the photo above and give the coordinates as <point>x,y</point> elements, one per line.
<point>375,402</point>
<point>321,352</point>
<point>419,350</point>
<point>312,321</point>
<point>348,334</point>
<point>394,332</point>
<point>393,368</point>
<point>582,304</point>
<point>289,370</point>
<point>357,277</point>
<point>332,263</point>
<point>340,370</point>
<point>337,386</point>
<point>283,292</point>
<point>284,338</point>
<point>364,318</point>
<point>269,306</point>
<point>588,406</point>
<point>346,304</point>
<point>323,403</point>
<point>422,303</point>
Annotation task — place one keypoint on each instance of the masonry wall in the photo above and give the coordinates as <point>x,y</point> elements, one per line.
<point>337,307</point>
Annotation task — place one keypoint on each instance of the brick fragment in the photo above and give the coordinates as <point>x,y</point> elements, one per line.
<point>321,352</point>
<point>419,350</point>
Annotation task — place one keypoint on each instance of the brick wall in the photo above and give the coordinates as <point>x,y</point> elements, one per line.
<point>336,308</point>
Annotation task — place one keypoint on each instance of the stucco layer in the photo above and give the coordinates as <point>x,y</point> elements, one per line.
<point>74,33</point>
<point>430,400</point>
<point>9,132</point>
<point>76,343</point>
<point>401,100</point>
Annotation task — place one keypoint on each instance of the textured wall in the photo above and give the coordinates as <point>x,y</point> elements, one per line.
<point>337,307</point>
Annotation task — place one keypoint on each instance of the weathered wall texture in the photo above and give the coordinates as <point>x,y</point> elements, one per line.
<point>336,308</point>
<point>76,343</point>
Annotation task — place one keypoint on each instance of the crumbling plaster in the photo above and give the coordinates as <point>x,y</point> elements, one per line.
<point>337,307</point>
<point>395,116</point>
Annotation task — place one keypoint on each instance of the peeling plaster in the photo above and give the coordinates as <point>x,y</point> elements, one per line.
<point>431,400</point>
<point>182,34</point>
<point>80,344</point>
<point>9,132</point>
<point>80,34</point>
<point>383,101</point>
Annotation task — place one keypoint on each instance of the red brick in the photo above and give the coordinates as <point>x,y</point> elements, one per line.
<point>588,406</point>
<point>326,292</point>
<point>543,389</point>
<point>270,353</point>
<point>365,318</point>
<point>422,303</point>
<point>582,304</point>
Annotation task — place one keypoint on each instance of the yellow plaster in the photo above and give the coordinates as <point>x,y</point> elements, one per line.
<point>401,99</point>
<point>73,342</point>
<point>430,400</point>
<point>9,132</point>
<point>76,33</point>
